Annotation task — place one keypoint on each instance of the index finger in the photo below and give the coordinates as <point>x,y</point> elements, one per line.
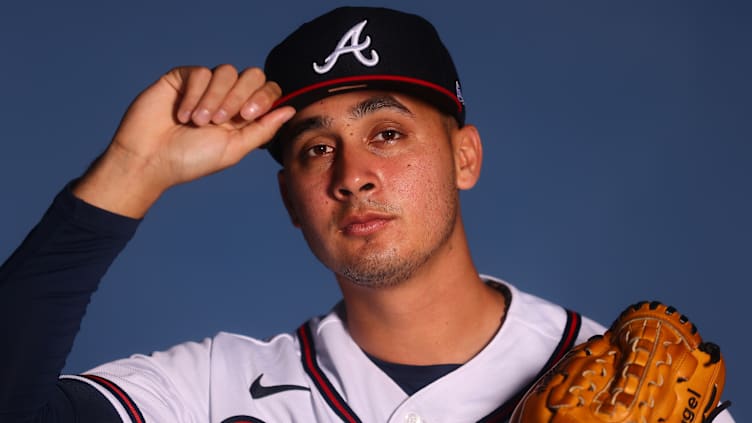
<point>261,101</point>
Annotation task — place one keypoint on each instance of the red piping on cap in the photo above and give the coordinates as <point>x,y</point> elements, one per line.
<point>370,78</point>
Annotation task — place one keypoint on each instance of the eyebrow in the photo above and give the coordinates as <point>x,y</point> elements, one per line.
<point>373,104</point>
<point>315,122</point>
<point>370,105</point>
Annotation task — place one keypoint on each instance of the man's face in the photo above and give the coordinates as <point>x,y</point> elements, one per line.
<point>370,179</point>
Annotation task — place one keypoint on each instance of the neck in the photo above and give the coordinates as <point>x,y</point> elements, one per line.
<point>443,314</point>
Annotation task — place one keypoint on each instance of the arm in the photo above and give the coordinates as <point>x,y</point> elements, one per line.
<point>45,287</point>
<point>190,123</point>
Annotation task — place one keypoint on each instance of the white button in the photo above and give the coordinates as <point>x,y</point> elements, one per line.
<point>413,418</point>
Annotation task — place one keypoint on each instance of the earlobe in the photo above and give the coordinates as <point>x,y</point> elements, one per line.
<point>282,183</point>
<point>468,156</point>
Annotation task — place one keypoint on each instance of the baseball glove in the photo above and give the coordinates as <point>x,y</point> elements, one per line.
<point>650,366</point>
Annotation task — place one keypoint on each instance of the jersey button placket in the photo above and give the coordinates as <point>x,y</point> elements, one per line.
<point>413,418</point>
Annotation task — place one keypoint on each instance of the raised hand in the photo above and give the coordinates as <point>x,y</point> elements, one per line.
<point>190,123</point>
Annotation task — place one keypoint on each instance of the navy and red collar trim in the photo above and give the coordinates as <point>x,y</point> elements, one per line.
<point>502,413</point>
<point>568,339</point>
<point>325,387</point>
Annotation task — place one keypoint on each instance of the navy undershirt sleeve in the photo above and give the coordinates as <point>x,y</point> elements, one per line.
<point>45,287</point>
<point>77,402</point>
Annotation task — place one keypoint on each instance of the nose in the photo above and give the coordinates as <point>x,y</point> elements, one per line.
<point>355,175</point>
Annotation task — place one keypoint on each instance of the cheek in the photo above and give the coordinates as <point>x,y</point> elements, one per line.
<point>302,197</point>
<point>433,169</point>
<point>309,201</point>
<point>412,181</point>
<point>423,182</point>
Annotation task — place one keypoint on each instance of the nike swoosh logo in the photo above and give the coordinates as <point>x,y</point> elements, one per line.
<point>259,391</point>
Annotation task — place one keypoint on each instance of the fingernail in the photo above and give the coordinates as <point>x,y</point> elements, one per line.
<point>220,116</point>
<point>201,117</point>
<point>184,116</point>
<point>250,111</point>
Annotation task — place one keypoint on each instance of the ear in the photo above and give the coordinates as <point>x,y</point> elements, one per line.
<point>286,198</point>
<point>468,156</point>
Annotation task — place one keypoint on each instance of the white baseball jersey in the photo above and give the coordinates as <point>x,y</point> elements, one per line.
<point>319,374</point>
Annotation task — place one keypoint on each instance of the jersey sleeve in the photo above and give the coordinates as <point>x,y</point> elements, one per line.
<point>45,287</point>
<point>170,385</point>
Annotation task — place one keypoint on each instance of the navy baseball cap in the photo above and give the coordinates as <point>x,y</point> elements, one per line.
<point>358,48</point>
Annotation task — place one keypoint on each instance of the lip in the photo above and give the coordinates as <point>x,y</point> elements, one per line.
<point>364,224</point>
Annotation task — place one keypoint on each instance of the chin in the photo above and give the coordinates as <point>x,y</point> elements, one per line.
<point>380,271</point>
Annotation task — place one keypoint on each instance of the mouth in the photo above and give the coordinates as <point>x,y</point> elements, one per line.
<point>364,224</point>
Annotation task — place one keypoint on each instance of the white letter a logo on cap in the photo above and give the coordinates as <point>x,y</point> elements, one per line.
<point>349,44</point>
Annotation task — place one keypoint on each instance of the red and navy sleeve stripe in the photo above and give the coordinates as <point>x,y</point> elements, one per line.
<point>128,404</point>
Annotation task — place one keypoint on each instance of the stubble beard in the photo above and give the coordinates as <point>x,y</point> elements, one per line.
<point>385,267</point>
<point>381,270</point>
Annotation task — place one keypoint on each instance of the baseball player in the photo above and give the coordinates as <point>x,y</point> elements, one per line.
<point>363,109</point>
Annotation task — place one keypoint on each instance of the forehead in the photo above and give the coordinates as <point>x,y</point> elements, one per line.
<point>358,104</point>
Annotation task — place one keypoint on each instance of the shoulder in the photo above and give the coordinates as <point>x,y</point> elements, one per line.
<point>531,313</point>
<point>179,383</point>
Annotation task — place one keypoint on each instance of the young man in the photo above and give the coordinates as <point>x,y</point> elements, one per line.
<point>374,149</point>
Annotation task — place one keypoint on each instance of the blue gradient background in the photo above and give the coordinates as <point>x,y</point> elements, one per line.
<point>617,143</point>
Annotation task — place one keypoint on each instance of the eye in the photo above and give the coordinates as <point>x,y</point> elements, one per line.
<point>318,150</point>
<point>388,135</point>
